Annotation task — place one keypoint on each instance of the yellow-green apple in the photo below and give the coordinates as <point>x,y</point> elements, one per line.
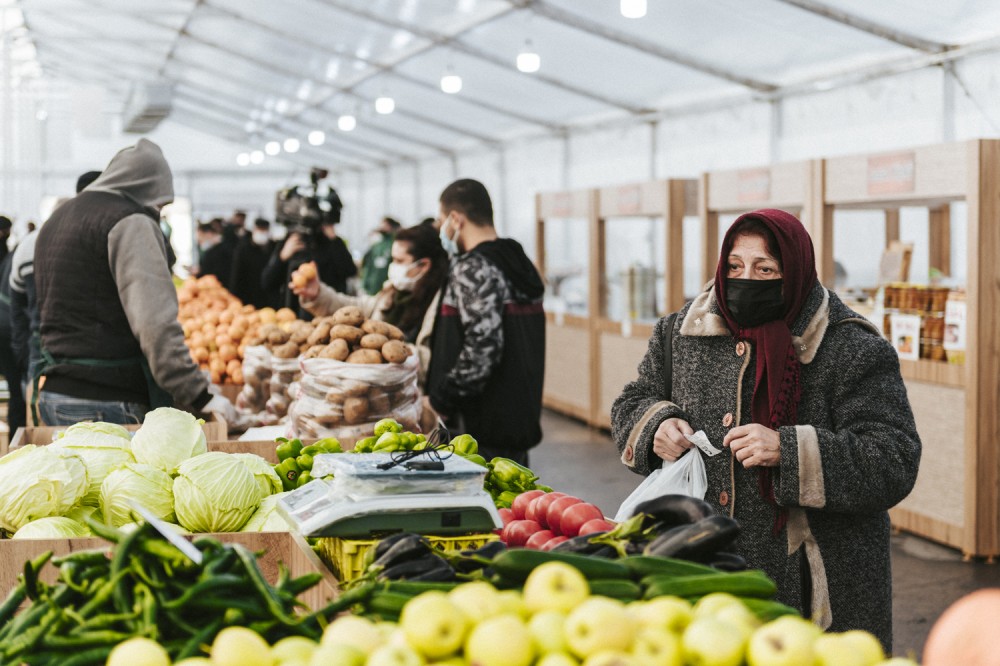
<point>547,630</point>
<point>393,655</point>
<point>610,658</point>
<point>786,641</point>
<point>710,604</point>
<point>502,640</point>
<point>833,650</point>
<point>867,644</point>
<point>555,586</point>
<point>708,641</point>
<point>512,602</point>
<point>340,654</point>
<point>353,630</point>
<point>657,646</point>
<point>478,600</point>
<point>294,647</point>
<point>897,661</point>
<point>599,623</point>
<point>433,624</point>
<point>557,659</point>
<point>672,613</point>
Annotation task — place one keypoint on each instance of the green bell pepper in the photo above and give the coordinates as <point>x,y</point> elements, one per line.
<point>305,461</point>
<point>288,471</point>
<point>288,448</point>
<point>387,425</point>
<point>465,444</point>
<point>304,478</point>
<point>387,442</point>
<point>365,445</point>
<point>329,445</point>
<point>511,475</point>
<point>476,458</point>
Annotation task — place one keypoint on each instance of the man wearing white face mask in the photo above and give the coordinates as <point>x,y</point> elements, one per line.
<point>408,299</point>
<point>488,353</point>
<point>253,251</point>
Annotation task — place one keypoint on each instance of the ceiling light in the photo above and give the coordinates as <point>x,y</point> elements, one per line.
<point>451,83</point>
<point>317,137</point>
<point>256,157</point>
<point>42,114</point>
<point>633,8</point>
<point>272,148</point>
<point>347,122</point>
<point>385,105</point>
<point>281,106</point>
<point>291,145</point>
<point>528,61</point>
<point>243,159</point>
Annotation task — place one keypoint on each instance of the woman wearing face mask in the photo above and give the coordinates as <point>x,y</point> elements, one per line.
<point>253,251</point>
<point>806,403</point>
<point>408,299</point>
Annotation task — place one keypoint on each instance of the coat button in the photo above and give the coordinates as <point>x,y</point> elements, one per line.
<point>727,420</point>
<point>628,453</point>
<point>724,498</point>
<point>740,348</point>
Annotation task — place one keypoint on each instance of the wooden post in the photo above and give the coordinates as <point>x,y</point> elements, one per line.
<point>709,231</point>
<point>982,410</point>
<point>673,269</point>
<point>597,299</point>
<point>539,237</point>
<point>891,225</point>
<point>819,221</point>
<point>939,227</point>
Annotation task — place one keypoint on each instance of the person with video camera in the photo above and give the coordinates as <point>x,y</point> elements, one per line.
<point>312,236</point>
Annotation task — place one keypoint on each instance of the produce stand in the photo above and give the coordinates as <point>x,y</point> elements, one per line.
<point>620,338</point>
<point>215,429</point>
<point>956,499</point>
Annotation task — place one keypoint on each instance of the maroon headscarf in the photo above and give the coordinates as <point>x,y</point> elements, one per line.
<point>776,387</point>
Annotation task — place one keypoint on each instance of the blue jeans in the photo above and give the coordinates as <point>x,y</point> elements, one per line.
<point>57,409</point>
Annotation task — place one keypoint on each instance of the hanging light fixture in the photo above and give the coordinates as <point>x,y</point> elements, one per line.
<point>256,157</point>
<point>633,8</point>
<point>385,105</point>
<point>317,138</point>
<point>451,82</point>
<point>291,145</point>
<point>243,159</point>
<point>528,60</point>
<point>272,148</point>
<point>347,122</point>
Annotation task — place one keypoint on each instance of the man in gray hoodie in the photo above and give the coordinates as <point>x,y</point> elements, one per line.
<point>112,347</point>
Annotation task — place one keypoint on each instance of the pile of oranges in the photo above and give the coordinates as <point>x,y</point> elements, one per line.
<point>217,326</point>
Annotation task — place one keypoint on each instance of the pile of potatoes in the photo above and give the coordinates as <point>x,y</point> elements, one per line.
<point>344,336</point>
<point>218,327</point>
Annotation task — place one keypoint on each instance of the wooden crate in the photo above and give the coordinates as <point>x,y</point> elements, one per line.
<point>285,547</point>
<point>215,430</point>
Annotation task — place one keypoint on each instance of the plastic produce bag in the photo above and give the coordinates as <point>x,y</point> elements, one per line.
<point>345,400</point>
<point>684,476</point>
<point>252,400</point>
<point>284,373</point>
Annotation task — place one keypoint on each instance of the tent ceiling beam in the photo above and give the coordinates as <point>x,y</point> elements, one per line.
<point>648,47</point>
<point>894,35</point>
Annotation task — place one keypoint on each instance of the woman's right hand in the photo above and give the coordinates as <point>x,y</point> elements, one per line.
<point>293,245</point>
<point>669,442</point>
<point>305,282</point>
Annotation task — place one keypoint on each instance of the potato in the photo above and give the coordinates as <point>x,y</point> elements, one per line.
<point>373,341</point>
<point>287,350</point>
<point>335,397</point>
<point>278,337</point>
<point>350,315</point>
<point>378,403</point>
<point>300,332</point>
<point>352,387</point>
<point>355,410</point>
<point>365,356</point>
<point>337,350</point>
<point>351,334</point>
<point>320,335</point>
<point>313,352</point>
<point>395,351</point>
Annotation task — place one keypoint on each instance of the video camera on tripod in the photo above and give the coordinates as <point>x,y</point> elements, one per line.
<point>303,209</point>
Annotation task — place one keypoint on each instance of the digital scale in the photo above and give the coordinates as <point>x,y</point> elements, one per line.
<point>370,495</point>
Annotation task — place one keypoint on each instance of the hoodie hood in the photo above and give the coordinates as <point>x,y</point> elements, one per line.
<point>508,255</point>
<point>140,173</point>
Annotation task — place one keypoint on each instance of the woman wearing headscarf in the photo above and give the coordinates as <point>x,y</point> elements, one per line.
<point>805,400</point>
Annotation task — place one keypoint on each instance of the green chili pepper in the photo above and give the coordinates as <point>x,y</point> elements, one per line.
<point>288,448</point>
<point>288,471</point>
<point>511,475</point>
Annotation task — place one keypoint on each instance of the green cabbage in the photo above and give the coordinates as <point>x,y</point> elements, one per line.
<point>215,492</point>
<point>53,527</point>
<point>81,512</point>
<point>131,527</point>
<point>167,438</point>
<point>150,487</point>
<point>263,472</point>
<point>267,518</point>
<point>101,447</point>
<point>35,482</point>
<point>77,488</point>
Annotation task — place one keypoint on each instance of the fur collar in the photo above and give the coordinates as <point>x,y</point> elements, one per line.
<point>703,319</point>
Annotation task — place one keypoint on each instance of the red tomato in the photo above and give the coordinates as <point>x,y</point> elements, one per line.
<point>553,542</point>
<point>538,506</point>
<point>539,539</point>
<point>575,516</point>
<point>506,515</point>
<point>521,502</point>
<point>516,532</point>
<point>553,516</point>
<point>595,525</point>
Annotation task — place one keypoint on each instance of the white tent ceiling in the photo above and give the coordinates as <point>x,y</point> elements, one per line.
<point>253,71</point>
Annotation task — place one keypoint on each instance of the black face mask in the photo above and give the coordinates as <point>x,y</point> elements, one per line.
<point>754,302</point>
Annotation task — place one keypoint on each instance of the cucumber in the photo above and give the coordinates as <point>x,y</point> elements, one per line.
<point>387,605</point>
<point>753,583</point>
<point>515,564</point>
<point>415,587</point>
<point>616,588</point>
<point>767,609</point>
<point>650,565</point>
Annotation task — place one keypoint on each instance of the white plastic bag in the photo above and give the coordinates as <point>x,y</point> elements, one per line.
<point>684,476</point>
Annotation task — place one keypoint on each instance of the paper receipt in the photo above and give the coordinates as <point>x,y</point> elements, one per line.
<point>700,439</point>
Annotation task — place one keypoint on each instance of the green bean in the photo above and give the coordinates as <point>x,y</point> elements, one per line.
<point>103,621</point>
<point>12,602</point>
<point>32,585</point>
<point>264,590</point>
<point>97,655</point>
<point>193,646</point>
<point>106,590</point>
<point>89,639</point>
<point>86,557</point>
<point>30,637</point>
<point>219,582</point>
<point>297,586</point>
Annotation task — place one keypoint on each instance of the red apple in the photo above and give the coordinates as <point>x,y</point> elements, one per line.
<point>538,506</point>
<point>595,525</point>
<point>516,532</point>
<point>506,515</point>
<point>538,539</point>
<point>553,542</point>
<point>575,516</point>
<point>553,515</point>
<point>521,502</point>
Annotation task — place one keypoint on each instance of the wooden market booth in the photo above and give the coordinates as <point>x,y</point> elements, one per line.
<point>956,500</point>
<point>590,352</point>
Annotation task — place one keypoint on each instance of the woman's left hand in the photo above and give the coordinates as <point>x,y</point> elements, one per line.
<point>754,445</point>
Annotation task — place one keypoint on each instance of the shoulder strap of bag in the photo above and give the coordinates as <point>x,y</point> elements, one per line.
<point>668,356</point>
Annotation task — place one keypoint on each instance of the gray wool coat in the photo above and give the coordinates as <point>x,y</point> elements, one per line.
<point>852,456</point>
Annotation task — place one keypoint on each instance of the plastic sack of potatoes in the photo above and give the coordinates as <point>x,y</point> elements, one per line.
<point>252,400</point>
<point>284,373</point>
<point>333,395</point>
